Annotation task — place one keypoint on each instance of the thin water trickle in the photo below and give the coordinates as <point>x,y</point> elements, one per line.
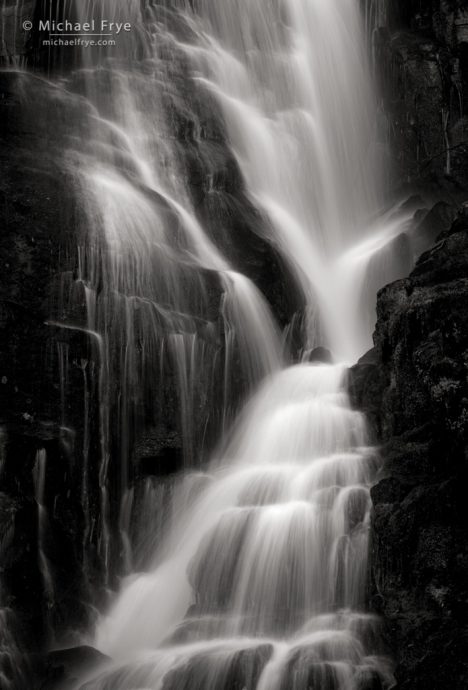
<point>39,476</point>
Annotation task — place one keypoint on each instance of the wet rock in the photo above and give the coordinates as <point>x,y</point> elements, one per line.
<point>414,386</point>
<point>158,452</point>
<point>39,221</point>
<point>35,205</point>
<point>41,608</point>
<point>167,461</point>
<point>64,667</point>
<point>321,354</point>
<point>217,189</point>
<point>421,52</point>
<point>213,576</point>
<point>13,37</point>
<point>198,628</point>
<point>305,670</point>
<point>368,679</point>
<point>437,220</point>
<point>227,669</point>
<point>365,385</point>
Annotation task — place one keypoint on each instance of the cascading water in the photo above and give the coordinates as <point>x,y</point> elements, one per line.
<point>261,583</point>
<point>148,271</point>
<point>257,577</point>
<point>258,580</point>
<point>294,85</point>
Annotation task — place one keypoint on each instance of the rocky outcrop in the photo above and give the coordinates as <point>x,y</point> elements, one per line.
<point>414,385</point>
<point>421,51</point>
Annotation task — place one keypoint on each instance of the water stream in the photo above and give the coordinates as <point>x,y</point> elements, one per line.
<point>249,571</point>
<point>258,579</point>
<point>262,581</point>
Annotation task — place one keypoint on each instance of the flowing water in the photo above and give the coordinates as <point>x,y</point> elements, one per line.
<point>247,572</point>
<point>39,477</point>
<point>262,581</point>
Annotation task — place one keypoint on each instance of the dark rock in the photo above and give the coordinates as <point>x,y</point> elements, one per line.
<point>365,385</point>
<point>421,53</point>
<point>158,451</point>
<point>321,354</point>
<point>37,208</point>
<point>415,388</point>
<point>167,461</point>
<point>13,39</point>
<point>434,222</point>
<point>64,667</point>
<point>368,679</point>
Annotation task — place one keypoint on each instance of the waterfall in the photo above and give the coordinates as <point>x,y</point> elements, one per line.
<point>248,568</point>
<point>149,271</point>
<point>295,88</point>
<point>262,579</point>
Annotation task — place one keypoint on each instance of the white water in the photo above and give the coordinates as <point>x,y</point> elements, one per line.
<point>268,560</point>
<point>39,477</point>
<point>293,81</point>
<point>258,578</point>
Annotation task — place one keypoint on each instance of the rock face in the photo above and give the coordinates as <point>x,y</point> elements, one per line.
<point>414,386</point>
<point>421,53</point>
<point>13,37</point>
<point>49,369</point>
<point>36,209</point>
